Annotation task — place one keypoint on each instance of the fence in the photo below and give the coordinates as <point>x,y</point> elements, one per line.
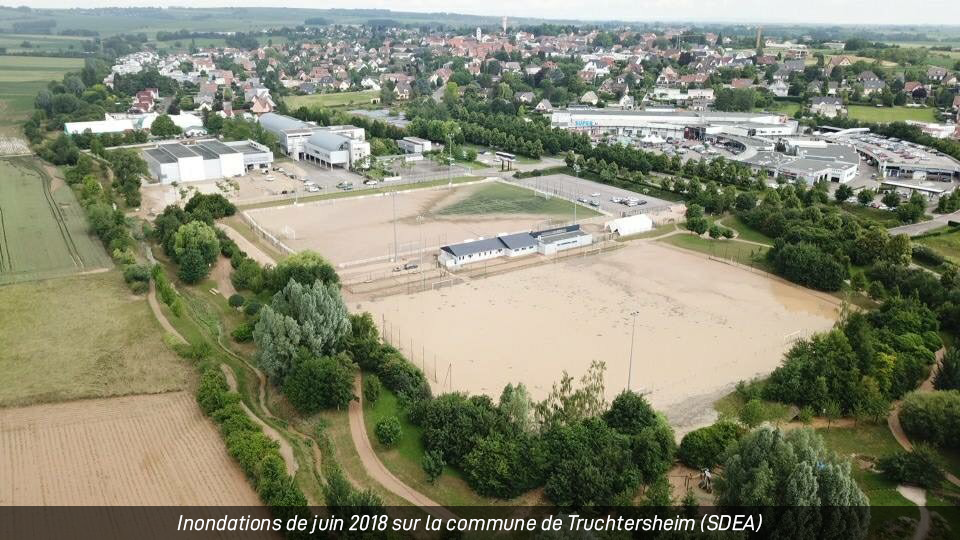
<point>428,361</point>
<point>262,233</point>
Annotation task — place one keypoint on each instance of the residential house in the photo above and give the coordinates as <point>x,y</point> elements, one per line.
<point>871,87</point>
<point>830,107</point>
<point>779,88</point>
<point>524,97</point>
<point>741,83</point>
<point>867,76</point>
<point>936,73</point>
<point>544,106</point>
<point>590,97</point>
<point>261,105</point>
<point>915,89</point>
<point>667,77</point>
<point>403,90</point>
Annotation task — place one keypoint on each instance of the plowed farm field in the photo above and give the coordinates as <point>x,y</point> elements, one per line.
<point>141,450</point>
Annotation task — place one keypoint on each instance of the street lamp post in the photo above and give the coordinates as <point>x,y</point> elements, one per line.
<point>633,334</point>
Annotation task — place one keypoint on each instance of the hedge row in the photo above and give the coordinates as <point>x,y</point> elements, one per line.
<point>258,455</point>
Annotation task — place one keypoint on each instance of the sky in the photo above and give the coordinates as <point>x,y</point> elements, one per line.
<point>940,12</point>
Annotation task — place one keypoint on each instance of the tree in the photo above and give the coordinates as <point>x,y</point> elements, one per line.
<point>305,267</point>
<point>278,342</point>
<point>164,127</point>
<point>651,438</point>
<point>453,423</point>
<point>432,464</point>
<point>372,388</point>
<point>698,225</point>
<point>388,431</point>
<point>933,417</point>
<point>794,470</point>
<point>921,466</point>
<point>752,413</point>
<point>195,247</point>
<point>565,405</point>
<point>517,408</point>
<point>128,168</point>
<point>499,466</point>
<point>891,199</point>
<point>865,196</point>
<point>579,458</point>
<point>843,193</point>
<point>703,448</point>
<point>320,383</point>
<point>451,93</point>
<point>948,376</point>
<point>319,311</point>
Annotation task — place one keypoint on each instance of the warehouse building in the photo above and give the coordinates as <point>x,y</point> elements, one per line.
<point>329,146</point>
<point>672,123</point>
<point>204,160</point>
<point>414,145</point>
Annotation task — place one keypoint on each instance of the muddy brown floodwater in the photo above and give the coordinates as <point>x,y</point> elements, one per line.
<point>701,326</point>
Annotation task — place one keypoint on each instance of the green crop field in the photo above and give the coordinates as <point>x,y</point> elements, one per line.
<point>890,114</point>
<point>334,99</point>
<point>498,198</point>
<point>45,43</point>
<point>81,337</point>
<point>43,230</point>
<point>21,77</point>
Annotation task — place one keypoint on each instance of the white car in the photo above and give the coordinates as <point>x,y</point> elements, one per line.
<point>594,194</point>
<point>270,178</point>
<point>313,189</point>
<point>370,183</point>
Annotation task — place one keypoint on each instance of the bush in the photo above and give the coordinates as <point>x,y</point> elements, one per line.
<point>404,378</point>
<point>433,464</point>
<point>243,333</point>
<point>499,466</point>
<point>371,388</point>
<point>252,308</point>
<point>703,448</point>
<point>236,300</point>
<point>921,467</point>
<point>927,255</point>
<point>948,377</point>
<point>388,431</point>
<point>933,417</point>
<point>320,383</point>
<point>133,273</point>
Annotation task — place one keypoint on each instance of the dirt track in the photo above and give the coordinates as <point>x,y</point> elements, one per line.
<point>376,469</point>
<point>140,450</point>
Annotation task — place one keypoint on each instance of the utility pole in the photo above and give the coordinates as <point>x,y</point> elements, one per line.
<point>633,334</point>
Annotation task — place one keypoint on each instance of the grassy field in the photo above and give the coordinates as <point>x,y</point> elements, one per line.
<point>946,243</point>
<point>387,188</point>
<point>498,198</point>
<point>740,252</point>
<point>81,337</point>
<point>744,231</point>
<point>43,230</point>
<point>788,108</point>
<point>21,77</point>
<point>867,113</point>
<point>335,99</point>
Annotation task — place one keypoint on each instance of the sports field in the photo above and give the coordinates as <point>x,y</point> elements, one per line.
<point>43,229</point>
<point>351,230</point>
<point>81,337</point>
<point>21,77</point>
<point>333,99</point>
<point>890,114</point>
<point>701,326</point>
<point>128,451</point>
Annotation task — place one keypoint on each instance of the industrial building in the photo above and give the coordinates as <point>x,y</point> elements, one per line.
<point>546,242</point>
<point>898,158</point>
<point>807,161</point>
<point>414,145</point>
<point>673,123</point>
<point>190,124</point>
<point>329,146</point>
<point>204,160</point>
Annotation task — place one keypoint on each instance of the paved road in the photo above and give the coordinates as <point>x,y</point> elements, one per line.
<point>573,188</point>
<point>913,229</point>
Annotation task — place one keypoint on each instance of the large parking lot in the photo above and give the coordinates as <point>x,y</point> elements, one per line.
<point>573,188</point>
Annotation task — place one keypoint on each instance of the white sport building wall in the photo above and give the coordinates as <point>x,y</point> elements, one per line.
<point>627,226</point>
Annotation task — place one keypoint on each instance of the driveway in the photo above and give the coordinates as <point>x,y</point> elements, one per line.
<point>914,229</point>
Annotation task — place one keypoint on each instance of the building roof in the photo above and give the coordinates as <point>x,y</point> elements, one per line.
<point>160,156</point>
<point>178,150</point>
<point>217,147</point>
<point>328,140</point>
<point>279,122</point>
<point>518,241</point>
<point>476,246</point>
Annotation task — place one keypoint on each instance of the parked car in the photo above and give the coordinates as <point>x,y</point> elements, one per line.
<point>410,266</point>
<point>370,183</point>
<point>594,202</point>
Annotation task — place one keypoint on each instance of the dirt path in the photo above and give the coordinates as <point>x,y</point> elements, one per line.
<point>221,275</point>
<point>893,420</point>
<point>155,307</point>
<point>286,450</point>
<point>253,251</point>
<point>376,469</point>
<point>917,496</point>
